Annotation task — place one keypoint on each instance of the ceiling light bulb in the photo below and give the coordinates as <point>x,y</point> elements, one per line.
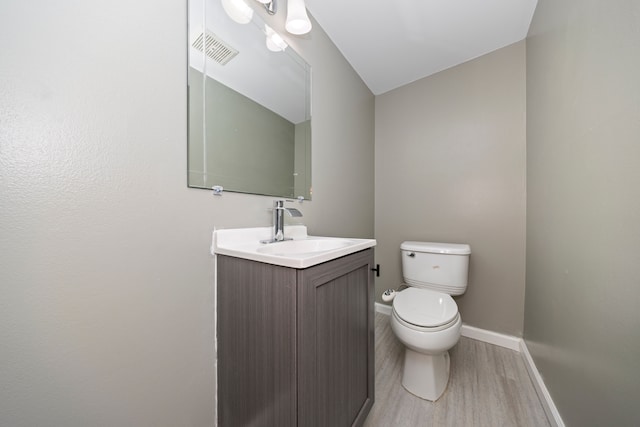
<point>238,10</point>
<point>297,20</point>
<point>275,42</point>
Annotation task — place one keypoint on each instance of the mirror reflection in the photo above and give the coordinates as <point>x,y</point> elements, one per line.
<point>249,104</point>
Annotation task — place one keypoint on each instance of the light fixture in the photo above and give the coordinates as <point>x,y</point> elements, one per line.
<point>297,20</point>
<point>275,42</point>
<point>238,10</point>
<point>269,5</point>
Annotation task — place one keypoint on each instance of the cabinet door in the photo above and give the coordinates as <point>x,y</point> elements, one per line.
<point>256,344</point>
<point>336,342</point>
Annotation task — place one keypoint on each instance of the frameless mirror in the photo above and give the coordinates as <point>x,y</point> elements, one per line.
<point>249,104</point>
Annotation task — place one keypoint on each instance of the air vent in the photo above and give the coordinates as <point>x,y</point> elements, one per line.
<point>215,48</point>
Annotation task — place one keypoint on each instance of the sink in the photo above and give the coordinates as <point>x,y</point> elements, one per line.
<point>304,246</point>
<point>301,252</point>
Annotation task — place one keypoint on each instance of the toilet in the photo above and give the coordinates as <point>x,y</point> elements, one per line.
<point>425,317</point>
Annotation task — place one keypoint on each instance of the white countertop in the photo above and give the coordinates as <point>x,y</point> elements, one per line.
<point>245,243</point>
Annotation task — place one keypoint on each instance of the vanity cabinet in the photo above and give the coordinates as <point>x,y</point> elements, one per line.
<point>295,346</point>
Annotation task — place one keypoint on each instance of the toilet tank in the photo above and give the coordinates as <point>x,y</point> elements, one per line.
<point>442,267</point>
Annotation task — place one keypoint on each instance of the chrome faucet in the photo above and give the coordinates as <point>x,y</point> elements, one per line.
<point>278,220</point>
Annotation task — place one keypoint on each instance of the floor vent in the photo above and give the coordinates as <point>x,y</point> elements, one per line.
<point>215,48</point>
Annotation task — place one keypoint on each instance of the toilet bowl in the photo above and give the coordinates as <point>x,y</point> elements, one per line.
<point>425,317</point>
<point>427,337</point>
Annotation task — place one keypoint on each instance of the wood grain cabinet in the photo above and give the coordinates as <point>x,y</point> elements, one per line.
<point>295,347</point>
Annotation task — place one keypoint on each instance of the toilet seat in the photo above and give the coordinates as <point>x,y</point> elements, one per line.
<point>424,308</point>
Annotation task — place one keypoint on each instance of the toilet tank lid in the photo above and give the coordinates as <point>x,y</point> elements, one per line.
<point>437,248</point>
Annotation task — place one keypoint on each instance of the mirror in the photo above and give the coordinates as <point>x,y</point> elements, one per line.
<point>249,107</point>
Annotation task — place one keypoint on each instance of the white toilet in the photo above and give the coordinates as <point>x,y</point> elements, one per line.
<point>424,317</point>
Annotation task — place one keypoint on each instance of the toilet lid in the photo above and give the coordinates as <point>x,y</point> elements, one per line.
<point>426,308</point>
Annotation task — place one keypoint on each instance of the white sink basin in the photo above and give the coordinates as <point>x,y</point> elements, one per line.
<point>301,252</point>
<point>304,246</point>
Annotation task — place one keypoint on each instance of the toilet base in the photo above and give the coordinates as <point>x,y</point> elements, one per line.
<point>425,375</point>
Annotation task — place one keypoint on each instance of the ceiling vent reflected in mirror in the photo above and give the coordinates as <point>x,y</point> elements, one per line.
<point>215,48</point>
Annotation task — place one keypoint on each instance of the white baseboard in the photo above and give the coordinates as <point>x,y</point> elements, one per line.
<point>545,398</point>
<point>383,308</point>
<point>495,338</point>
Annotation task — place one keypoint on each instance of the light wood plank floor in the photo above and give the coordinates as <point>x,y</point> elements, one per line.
<point>489,386</point>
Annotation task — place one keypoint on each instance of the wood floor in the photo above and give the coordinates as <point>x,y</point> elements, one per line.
<point>489,386</point>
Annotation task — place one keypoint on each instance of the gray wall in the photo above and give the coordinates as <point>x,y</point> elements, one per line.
<point>583,207</point>
<point>450,167</point>
<point>106,281</point>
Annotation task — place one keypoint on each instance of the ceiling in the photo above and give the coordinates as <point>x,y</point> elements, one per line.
<point>392,43</point>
